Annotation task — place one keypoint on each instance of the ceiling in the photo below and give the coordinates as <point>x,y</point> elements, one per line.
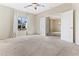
<point>20,6</point>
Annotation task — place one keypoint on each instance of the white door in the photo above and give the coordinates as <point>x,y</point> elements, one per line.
<point>42,26</point>
<point>67,26</point>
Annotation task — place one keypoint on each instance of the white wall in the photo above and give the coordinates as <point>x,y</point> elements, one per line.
<point>6,18</point>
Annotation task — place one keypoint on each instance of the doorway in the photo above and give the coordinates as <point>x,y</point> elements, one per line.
<point>55,27</point>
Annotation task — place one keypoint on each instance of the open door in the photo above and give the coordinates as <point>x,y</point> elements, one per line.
<point>67,26</point>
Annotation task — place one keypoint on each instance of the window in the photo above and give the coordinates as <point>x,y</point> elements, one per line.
<point>22,23</point>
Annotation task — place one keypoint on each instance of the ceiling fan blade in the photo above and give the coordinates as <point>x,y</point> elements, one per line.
<point>40,5</point>
<point>27,6</point>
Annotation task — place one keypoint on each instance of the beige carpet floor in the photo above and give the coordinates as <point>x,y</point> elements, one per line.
<point>36,45</point>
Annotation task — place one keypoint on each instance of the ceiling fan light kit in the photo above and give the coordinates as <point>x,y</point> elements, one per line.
<point>34,5</point>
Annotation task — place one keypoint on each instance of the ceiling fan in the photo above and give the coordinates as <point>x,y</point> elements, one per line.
<point>35,5</point>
